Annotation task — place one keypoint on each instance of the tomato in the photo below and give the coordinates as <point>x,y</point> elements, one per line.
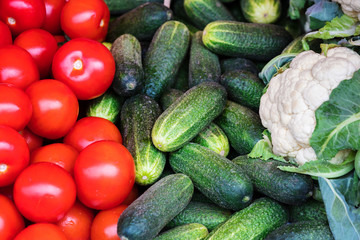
<point>42,47</point>
<point>104,226</point>
<point>33,141</point>
<point>76,224</point>
<point>60,38</point>
<point>14,155</point>
<point>87,19</point>
<point>41,231</point>
<point>60,154</point>
<point>133,195</point>
<point>88,130</point>
<point>86,66</point>
<point>44,192</point>
<point>52,19</point>
<point>11,220</point>
<point>7,191</point>
<point>55,108</point>
<point>5,35</point>
<point>15,107</point>
<point>17,67</point>
<point>104,174</point>
<point>21,15</point>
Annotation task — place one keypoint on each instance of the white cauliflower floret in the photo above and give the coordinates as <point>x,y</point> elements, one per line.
<point>287,109</point>
<point>350,7</point>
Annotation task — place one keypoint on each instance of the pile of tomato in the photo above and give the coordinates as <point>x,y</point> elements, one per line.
<point>62,176</point>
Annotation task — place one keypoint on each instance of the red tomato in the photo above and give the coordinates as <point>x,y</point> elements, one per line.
<point>87,19</point>
<point>44,192</point>
<point>86,66</point>
<point>5,35</point>
<point>88,130</point>
<point>42,47</point>
<point>33,141</point>
<point>104,226</point>
<point>76,224</point>
<point>21,15</point>
<point>55,108</point>
<point>52,18</point>
<point>41,231</point>
<point>133,195</point>
<point>14,155</point>
<point>7,191</point>
<point>104,174</point>
<point>11,220</point>
<point>17,67</point>
<point>60,38</point>
<point>15,107</point>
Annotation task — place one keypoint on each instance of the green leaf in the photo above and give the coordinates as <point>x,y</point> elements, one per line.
<point>321,12</point>
<point>295,6</point>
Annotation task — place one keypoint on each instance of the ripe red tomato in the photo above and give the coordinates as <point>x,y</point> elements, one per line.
<point>104,226</point>
<point>55,108</point>
<point>86,66</point>
<point>21,15</point>
<point>14,155</point>
<point>44,192</point>
<point>5,35</point>
<point>42,47</point>
<point>87,19</point>
<point>52,19</point>
<point>41,231</point>
<point>7,191</point>
<point>76,224</point>
<point>33,141</point>
<point>104,174</point>
<point>11,220</point>
<point>17,67</point>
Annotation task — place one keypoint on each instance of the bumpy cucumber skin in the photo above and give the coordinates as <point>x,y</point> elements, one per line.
<point>219,179</point>
<point>182,77</point>
<point>164,56</point>
<point>189,115</point>
<point>231,64</point>
<point>192,231</point>
<point>169,97</point>
<point>255,41</point>
<point>148,214</point>
<point>119,7</point>
<point>138,116</point>
<point>308,211</point>
<point>252,223</point>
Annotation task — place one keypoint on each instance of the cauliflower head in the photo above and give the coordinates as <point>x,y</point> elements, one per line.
<point>350,7</point>
<point>287,109</point>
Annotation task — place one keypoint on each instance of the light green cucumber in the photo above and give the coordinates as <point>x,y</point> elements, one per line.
<point>261,11</point>
<point>191,231</point>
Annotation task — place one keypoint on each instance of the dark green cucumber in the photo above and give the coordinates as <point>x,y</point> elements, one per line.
<point>192,231</point>
<point>235,10</point>
<point>142,22</point>
<point>204,65</point>
<point>241,125</point>
<point>182,77</point>
<point>219,179</point>
<point>179,11</point>
<point>202,12</point>
<point>138,116</point>
<point>231,64</point>
<point>252,223</point>
<point>144,218</point>
<point>162,61</point>
<point>207,214</point>
<point>169,97</point>
<point>129,74</point>
<point>285,187</point>
<point>308,211</point>
<point>254,41</point>
<point>243,87</point>
<point>199,197</point>
<point>117,7</point>
<point>186,117</point>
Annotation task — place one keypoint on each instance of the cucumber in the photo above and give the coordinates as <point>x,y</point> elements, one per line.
<point>192,231</point>
<point>117,7</point>
<point>204,66</point>
<point>285,187</point>
<point>207,214</point>
<point>235,10</point>
<point>137,119</point>
<point>311,210</point>
<point>295,46</point>
<point>177,7</point>
<point>162,61</point>
<point>219,179</point>
<point>199,197</point>
<point>144,218</point>
<point>190,114</point>
<point>255,41</point>
<point>169,97</point>
<point>129,74</point>
<point>254,222</point>
<point>261,11</point>
<point>141,22</point>
<point>231,64</point>
<point>241,125</point>
<point>182,77</point>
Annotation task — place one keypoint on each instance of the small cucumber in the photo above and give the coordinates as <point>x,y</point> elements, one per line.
<point>169,98</point>
<point>231,64</point>
<point>192,231</point>
<point>261,11</point>
<point>311,210</point>
<point>117,7</point>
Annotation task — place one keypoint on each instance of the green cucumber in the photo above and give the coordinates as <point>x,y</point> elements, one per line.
<point>219,179</point>
<point>190,114</point>
<point>182,77</point>
<point>192,231</point>
<point>204,65</point>
<point>285,187</point>
<point>261,11</point>
<point>144,218</point>
<point>295,46</point>
<point>129,74</point>
<point>199,197</point>
<point>141,22</point>
<point>241,125</point>
<point>117,7</point>
<point>179,11</point>
<point>162,61</point>
<point>252,223</point>
<point>231,64</point>
<point>235,10</point>
<point>254,41</point>
<point>308,211</point>
<point>169,97</point>
<point>138,116</point>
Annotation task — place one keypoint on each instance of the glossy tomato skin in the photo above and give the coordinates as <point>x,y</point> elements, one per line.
<point>17,67</point>
<point>86,66</point>
<point>41,231</point>
<point>55,108</point>
<point>33,141</point>
<point>104,174</point>
<point>14,155</point>
<point>86,19</point>
<point>5,35</point>
<point>11,220</point>
<point>53,10</point>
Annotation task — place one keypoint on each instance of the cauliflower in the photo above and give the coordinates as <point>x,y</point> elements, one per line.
<point>350,7</point>
<point>287,109</point>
